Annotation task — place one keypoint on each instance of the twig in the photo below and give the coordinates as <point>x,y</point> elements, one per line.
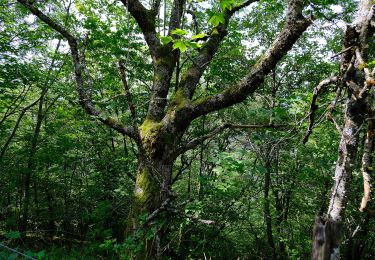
<point>341,52</point>
<point>17,252</point>
<point>338,128</point>
<point>196,141</point>
<point>127,93</point>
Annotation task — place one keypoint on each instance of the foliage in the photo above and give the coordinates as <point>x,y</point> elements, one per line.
<point>82,173</point>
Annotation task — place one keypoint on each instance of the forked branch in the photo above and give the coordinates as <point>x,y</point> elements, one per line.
<point>81,73</point>
<point>295,25</point>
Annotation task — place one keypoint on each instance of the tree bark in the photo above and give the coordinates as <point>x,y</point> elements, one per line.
<point>159,136</point>
<point>328,229</point>
<point>152,191</point>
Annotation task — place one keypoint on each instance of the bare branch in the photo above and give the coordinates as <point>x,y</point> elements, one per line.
<point>12,110</point>
<point>197,141</point>
<point>341,52</point>
<point>313,107</point>
<point>15,128</point>
<point>127,93</point>
<point>271,126</point>
<point>156,212</point>
<point>337,126</point>
<point>243,5</point>
<point>192,217</point>
<point>367,165</point>
<point>45,87</point>
<point>184,166</point>
<point>57,27</point>
<point>107,100</point>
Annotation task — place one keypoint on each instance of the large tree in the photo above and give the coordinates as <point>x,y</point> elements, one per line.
<point>172,107</point>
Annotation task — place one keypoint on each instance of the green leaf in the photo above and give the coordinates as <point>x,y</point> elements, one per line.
<point>166,39</point>
<point>199,36</point>
<point>371,64</point>
<point>216,19</point>
<point>179,32</point>
<point>193,45</point>
<point>179,45</point>
<point>13,235</point>
<point>227,4</point>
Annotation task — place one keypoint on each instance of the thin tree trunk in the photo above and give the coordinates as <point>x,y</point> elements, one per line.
<point>267,211</point>
<point>15,128</point>
<point>29,170</point>
<point>51,220</point>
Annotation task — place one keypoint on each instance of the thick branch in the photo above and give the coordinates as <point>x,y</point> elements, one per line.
<point>295,25</point>
<point>156,6</point>
<point>195,22</point>
<point>164,61</point>
<point>176,15</point>
<point>57,27</point>
<point>146,20</point>
<point>80,71</point>
<point>370,81</point>
<point>313,107</point>
<point>243,5</point>
<point>191,77</point>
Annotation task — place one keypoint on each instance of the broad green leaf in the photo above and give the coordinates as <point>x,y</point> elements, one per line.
<point>166,39</point>
<point>193,45</point>
<point>179,32</point>
<point>179,45</point>
<point>199,36</point>
<point>227,4</point>
<point>216,19</point>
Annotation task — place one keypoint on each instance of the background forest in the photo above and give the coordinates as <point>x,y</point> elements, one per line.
<point>248,178</point>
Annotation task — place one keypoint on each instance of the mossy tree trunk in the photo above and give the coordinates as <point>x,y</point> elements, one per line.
<point>152,192</point>
<point>159,137</point>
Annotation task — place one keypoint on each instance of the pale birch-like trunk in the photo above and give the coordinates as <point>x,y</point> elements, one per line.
<point>328,229</point>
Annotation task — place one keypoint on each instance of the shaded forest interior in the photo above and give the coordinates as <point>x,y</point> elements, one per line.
<point>187,129</point>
